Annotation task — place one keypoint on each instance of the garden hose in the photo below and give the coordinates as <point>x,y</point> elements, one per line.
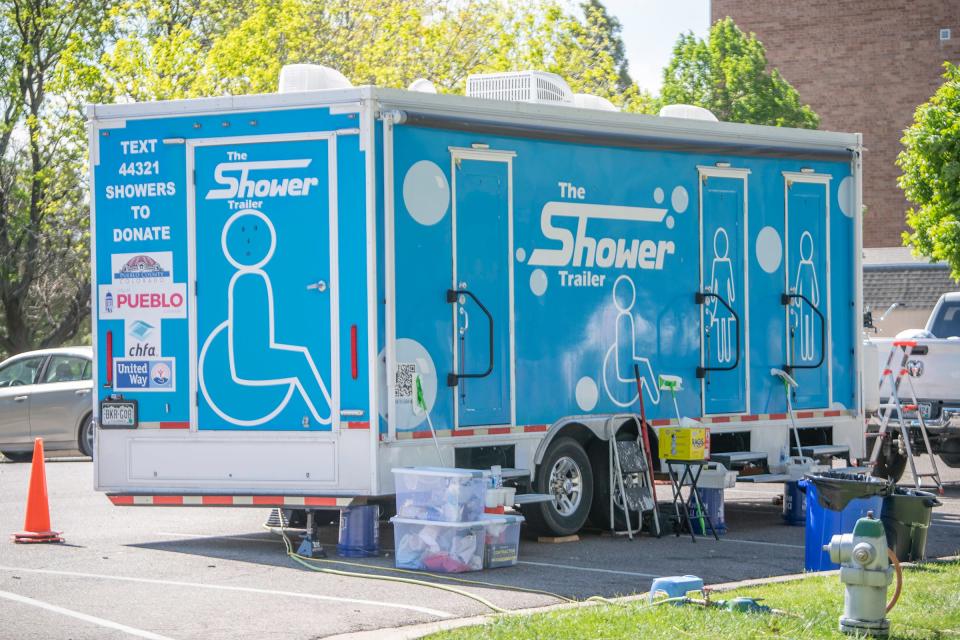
<point>896,567</point>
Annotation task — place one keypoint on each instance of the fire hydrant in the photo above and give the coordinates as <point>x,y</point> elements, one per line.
<point>866,572</point>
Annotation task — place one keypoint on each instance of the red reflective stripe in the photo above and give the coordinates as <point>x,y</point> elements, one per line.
<point>358,425</point>
<point>887,372</point>
<point>498,431</point>
<point>533,428</point>
<point>353,351</point>
<point>120,500</point>
<point>167,499</point>
<point>720,419</point>
<point>320,502</point>
<point>662,422</point>
<point>213,500</point>
<point>463,432</point>
<point>109,358</point>
<point>805,414</point>
<point>777,416</point>
<point>904,343</point>
<point>750,418</point>
<point>421,434</point>
<point>832,414</point>
<point>270,500</point>
<point>174,425</point>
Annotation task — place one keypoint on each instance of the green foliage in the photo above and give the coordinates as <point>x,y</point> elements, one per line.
<point>728,74</point>
<point>931,174</point>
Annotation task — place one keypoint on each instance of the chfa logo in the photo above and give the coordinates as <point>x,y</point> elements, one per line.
<point>235,176</point>
<point>583,250</point>
<point>141,330</point>
<point>141,267</point>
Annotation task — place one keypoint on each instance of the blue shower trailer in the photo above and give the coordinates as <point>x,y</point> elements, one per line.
<point>296,291</point>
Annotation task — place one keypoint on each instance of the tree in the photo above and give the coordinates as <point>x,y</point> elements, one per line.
<point>608,30</point>
<point>47,53</point>
<point>930,162</point>
<point>728,75</point>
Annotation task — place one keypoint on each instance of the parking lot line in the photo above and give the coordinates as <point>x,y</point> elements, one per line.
<point>82,616</point>
<point>763,542</point>
<point>293,594</point>
<point>592,569</point>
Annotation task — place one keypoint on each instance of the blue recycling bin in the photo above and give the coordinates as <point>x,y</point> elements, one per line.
<point>835,501</point>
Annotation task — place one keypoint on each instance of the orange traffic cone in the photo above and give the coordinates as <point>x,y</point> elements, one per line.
<point>37,523</point>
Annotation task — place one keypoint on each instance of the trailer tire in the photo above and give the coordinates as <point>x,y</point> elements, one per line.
<point>950,452</point>
<point>565,473</point>
<point>891,463</point>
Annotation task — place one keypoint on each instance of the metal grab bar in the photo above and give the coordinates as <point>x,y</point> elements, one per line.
<point>699,298</point>
<point>454,378</point>
<point>785,300</point>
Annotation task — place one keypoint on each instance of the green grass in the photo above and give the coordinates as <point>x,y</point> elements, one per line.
<point>928,608</point>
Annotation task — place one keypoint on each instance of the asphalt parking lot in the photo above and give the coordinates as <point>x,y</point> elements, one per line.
<point>211,573</point>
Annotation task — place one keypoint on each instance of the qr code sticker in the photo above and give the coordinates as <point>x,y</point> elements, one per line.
<point>405,373</point>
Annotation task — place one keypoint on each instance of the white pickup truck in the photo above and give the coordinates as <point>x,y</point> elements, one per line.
<point>934,367</point>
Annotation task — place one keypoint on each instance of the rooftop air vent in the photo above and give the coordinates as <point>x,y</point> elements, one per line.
<point>687,111</point>
<point>310,77</point>
<point>538,87</point>
<point>422,85</point>
<point>590,101</point>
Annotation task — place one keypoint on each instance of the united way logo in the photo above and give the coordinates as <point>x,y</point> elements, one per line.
<point>141,267</point>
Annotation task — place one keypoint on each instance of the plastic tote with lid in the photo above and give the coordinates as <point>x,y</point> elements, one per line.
<point>445,547</point>
<point>439,494</point>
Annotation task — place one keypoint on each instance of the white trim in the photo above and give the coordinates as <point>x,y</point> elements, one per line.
<point>731,173</point>
<point>824,179</point>
<point>332,175</point>
<point>368,145</point>
<point>94,148</point>
<point>485,155</point>
<point>857,170</point>
<point>389,277</point>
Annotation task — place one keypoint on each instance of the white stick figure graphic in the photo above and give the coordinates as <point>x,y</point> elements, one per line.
<point>721,283</point>
<point>806,285</point>
<point>623,352</point>
<point>256,359</point>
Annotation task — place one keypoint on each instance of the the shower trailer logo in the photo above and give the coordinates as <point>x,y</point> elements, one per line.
<point>237,182</point>
<point>581,249</point>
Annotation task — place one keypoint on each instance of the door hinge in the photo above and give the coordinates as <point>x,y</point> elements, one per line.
<point>196,288</point>
<point>196,398</point>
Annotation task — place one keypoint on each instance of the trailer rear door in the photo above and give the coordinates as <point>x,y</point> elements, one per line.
<point>264,262</point>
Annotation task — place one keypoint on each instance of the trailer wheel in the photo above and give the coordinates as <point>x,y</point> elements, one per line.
<point>890,463</point>
<point>566,474</point>
<point>950,452</point>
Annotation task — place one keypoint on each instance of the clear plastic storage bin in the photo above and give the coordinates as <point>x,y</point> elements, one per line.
<point>445,495</point>
<point>444,547</point>
<point>502,543</point>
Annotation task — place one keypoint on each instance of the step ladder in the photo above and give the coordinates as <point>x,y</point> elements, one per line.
<point>630,477</point>
<point>893,410</point>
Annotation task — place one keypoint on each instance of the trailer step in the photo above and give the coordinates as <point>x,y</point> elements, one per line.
<point>765,478</point>
<point>827,451</point>
<point>531,498</point>
<point>738,460</point>
<point>514,474</point>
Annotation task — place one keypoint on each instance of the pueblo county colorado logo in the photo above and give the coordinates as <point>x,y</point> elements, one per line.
<point>139,268</point>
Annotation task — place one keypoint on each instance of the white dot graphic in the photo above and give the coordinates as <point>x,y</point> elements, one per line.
<point>586,393</point>
<point>426,193</point>
<point>670,222</point>
<point>769,249</point>
<point>658,195</point>
<point>521,255</point>
<point>845,196</point>
<point>679,199</point>
<point>538,282</point>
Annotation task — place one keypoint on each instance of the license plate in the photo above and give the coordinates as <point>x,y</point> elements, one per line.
<point>118,414</point>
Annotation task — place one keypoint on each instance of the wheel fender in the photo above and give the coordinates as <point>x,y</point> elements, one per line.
<point>580,428</point>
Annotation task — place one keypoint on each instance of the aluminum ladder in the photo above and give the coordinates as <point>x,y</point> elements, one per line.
<point>630,476</point>
<point>896,407</point>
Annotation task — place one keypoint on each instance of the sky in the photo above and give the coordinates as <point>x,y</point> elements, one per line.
<point>650,29</point>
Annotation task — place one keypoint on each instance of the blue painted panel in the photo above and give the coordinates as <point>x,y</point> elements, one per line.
<point>725,389</point>
<point>483,269</point>
<point>807,276</point>
<point>263,237</point>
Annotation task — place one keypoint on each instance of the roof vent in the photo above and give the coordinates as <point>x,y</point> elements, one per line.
<point>422,85</point>
<point>538,87</point>
<point>688,112</point>
<point>310,77</point>
<point>590,101</point>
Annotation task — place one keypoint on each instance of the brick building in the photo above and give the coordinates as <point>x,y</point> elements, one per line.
<point>862,67</point>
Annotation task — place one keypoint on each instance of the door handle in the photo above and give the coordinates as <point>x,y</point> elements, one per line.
<point>82,392</point>
<point>20,398</point>
<point>319,285</point>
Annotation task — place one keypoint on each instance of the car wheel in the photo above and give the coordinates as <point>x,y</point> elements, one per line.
<point>85,437</point>
<point>565,473</point>
<point>18,456</point>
